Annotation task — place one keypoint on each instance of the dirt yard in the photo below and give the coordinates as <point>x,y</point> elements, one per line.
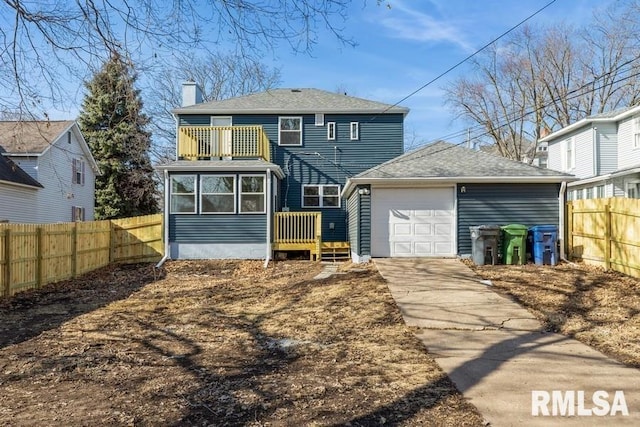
<point>601,309</point>
<point>219,343</point>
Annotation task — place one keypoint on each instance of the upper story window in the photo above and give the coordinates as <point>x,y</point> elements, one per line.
<point>331,131</point>
<point>252,194</point>
<point>183,194</point>
<point>77,171</point>
<point>290,131</point>
<point>217,194</point>
<point>570,154</point>
<point>354,131</point>
<point>321,196</point>
<point>636,132</point>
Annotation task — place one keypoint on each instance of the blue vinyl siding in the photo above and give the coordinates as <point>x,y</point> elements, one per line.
<point>195,120</point>
<point>353,211</point>
<point>320,161</point>
<point>359,210</point>
<point>218,228</point>
<point>501,204</point>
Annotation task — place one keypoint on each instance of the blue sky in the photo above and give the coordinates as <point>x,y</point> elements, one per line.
<point>403,47</point>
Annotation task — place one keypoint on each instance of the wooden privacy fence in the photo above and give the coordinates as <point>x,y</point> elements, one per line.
<point>32,255</point>
<point>605,232</point>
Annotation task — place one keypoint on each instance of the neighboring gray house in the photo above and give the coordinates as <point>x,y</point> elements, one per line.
<point>62,170</point>
<point>18,193</point>
<point>603,151</point>
<point>422,203</point>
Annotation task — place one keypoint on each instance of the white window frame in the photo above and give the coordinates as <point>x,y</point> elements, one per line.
<point>201,194</point>
<point>600,191</point>
<point>77,171</point>
<point>570,154</point>
<point>195,193</point>
<point>321,196</point>
<point>263,193</point>
<point>77,214</point>
<point>319,119</point>
<point>632,189</point>
<point>588,192</point>
<point>331,131</point>
<point>354,131</point>
<point>635,122</point>
<point>280,130</point>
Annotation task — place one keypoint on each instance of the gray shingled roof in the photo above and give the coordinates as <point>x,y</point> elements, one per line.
<point>293,101</point>
<point>19,137</point>
<point>11,172</point>
<point>445,160</point>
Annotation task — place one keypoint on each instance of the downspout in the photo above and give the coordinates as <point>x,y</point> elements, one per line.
<point>596,154</point>
<point>165,220</point>
<point>269,216</point>
<point>561,225</point>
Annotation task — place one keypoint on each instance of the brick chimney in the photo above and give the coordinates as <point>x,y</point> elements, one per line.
<point>191,93</point>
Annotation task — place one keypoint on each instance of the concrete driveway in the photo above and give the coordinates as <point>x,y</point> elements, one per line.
<point>498,356</point>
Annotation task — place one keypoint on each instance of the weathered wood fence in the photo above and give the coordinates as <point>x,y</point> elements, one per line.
<point>606,233</point>
<point>32,255</point>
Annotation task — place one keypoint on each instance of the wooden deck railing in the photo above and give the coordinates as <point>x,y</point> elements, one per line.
<point>298,231</point>
<point>207,142</point>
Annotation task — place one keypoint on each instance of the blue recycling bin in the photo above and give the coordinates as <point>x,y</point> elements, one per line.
<point>544,241</point>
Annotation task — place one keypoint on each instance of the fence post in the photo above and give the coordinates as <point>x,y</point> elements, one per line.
<point>74,250</point>
<point>7,263</point>
<point>569,230</point>
<point>607,237</point>
<point>39,246</point>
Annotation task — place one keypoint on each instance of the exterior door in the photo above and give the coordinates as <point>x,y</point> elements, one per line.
<point>221,141</point>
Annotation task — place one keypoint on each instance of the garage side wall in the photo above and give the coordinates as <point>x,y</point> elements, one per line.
<point>359,226</point>
<point>501,204</point>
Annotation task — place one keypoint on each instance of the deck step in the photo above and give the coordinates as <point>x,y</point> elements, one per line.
<point>335,251</point>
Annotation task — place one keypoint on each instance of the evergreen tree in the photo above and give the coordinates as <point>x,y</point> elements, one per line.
<point>114,127</point>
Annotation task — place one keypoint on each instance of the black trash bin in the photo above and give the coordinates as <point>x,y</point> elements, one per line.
<point>484,244</point>
<point>545,244</point>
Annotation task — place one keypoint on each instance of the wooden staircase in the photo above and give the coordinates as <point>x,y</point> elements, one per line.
<point>335,251</point>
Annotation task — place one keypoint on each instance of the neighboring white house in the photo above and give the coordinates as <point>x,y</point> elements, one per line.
<point>56,156</point>
<point>603,151</point>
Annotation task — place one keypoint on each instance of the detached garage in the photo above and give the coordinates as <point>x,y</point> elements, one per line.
<point>422,203</point>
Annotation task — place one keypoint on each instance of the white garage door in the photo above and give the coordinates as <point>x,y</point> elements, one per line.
<point>412,222</point>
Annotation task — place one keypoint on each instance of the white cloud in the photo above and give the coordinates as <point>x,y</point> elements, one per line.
<point>411,24</point>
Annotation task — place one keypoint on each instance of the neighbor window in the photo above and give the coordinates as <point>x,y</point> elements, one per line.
<point>331,131</point>
<point>355,131</point>
<point>588,193</point>
<point>217,194</point>
<point>183,194</point>
<point>321,196</point>
<point>578,194</point>
<point>252,194</point>
<point>600,191</point>
<point>77,213</point>
<point>636,132</point>
<point>570,154</point>
<point>633,190</point>
<point>77,171</point>
<point>290,131</point>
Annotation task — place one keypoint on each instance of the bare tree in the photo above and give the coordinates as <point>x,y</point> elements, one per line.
<point>547,78</point>
<point>46,44</point>
<point>219,75</point>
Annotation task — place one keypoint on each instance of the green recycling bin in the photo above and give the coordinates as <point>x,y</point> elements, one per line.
<point>514,241</point>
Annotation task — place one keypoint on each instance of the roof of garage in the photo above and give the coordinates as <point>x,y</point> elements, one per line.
<point>446,162</point>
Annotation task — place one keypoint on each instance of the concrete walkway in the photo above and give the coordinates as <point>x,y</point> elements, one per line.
<point>497,355</point>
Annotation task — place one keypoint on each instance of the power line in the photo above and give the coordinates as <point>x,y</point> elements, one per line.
<point>453,67</point>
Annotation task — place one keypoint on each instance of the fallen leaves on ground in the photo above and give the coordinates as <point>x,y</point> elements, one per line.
<point>219,343</point>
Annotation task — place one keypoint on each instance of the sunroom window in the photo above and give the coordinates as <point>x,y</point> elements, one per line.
<point>252,194</point>
<point>183,194</point>
<point>217,194</point>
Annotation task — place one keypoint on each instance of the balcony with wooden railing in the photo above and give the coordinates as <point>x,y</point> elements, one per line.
<point>298,231</point>
<point>222,142</point>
